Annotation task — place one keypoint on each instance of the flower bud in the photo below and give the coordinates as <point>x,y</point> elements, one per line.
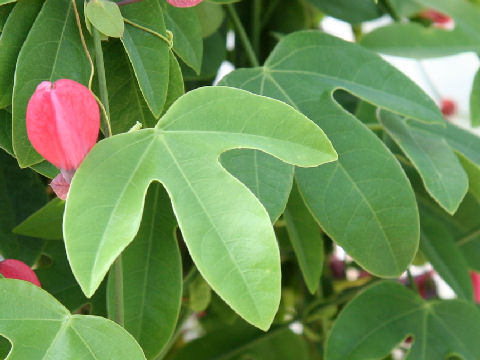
<point>184,3</point>
<point>476,285</point>
<point>63,121</point>
<point>15,269</point>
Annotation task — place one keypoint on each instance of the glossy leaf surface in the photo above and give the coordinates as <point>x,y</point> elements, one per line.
<point>228,232</point>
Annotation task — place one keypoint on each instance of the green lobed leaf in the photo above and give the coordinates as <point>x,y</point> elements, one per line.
<point>417,41</point>
<point>51,51</point>
<point>152,276</point>
<point>105,16</point>
<point>440,169</point>
<point>12,38</point>
<point>306,239</point>
<point>364,201</point>
<point>387,313</point>
<point>438,246</point>
<point>226,229</point>
<point>187,34</point>
<point>45,223</point>
<point>147,52</point>
<point>475,101</point>
<point>40,327</point>
<point>21,193</point>
<point>239,342</point>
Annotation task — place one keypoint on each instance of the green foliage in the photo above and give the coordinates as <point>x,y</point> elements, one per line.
<point>226,203</point>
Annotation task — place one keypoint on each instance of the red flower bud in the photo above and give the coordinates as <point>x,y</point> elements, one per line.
<point>476,285</point>
<point>437,18</point>
<point>448,107</point>
<point>184,3</point>
<point>63,121</point>
<point>15,269</point>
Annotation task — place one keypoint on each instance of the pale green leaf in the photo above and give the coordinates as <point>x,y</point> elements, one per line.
<point>12,38</point>
<point>306,239</point>
<point>105,16</point>
<point>52,51</point>
<point>364,201</point>
<point>199,294</point>
<point>147,52</point>
<point>441,171</point>
<point>45,223</point>
<point>41,328</point>
<point>475,101</point>
<point>152,276</point>
<point>387,313</point>
<point>227,231</point>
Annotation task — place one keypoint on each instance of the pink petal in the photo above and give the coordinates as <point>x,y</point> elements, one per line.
<point>63,120</point>
<point>60,186</point>
<point>15,269</point>
<point>184,3</point>
<point>476,285</point>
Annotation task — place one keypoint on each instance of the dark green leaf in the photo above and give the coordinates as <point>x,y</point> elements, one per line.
<point>352,11</point>
<point>152,276</point>
<point>45,223</point>
<point>13,36</point>
<point>306,239</point>
<point>147,52</point>
<point>387,313</point>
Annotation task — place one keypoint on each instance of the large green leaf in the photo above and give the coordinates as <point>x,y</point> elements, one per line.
<point>41,328</point>
<point>51,51</point>
<point>187,34</point>
<point>227,230</point>
<point>439,167</point>
<point>364,201</point>
<point>352,11</point>
<point>438,246</point>
<point>147,52</point>
<point>306,239</point>
<point>45,223</point>
<point>152,276</point>
<point>21,194</point>
<point>240,342</point>
<point>387,313</point>
<point>417,41</point>
<point>13,36</point>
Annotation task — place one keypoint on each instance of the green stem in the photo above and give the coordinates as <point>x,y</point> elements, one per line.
<point>119,304</point>
<point>102,82</point>
<point>375,127</point>
<point>413,284</point>
<point>256,11</point>
<point>243,35</point>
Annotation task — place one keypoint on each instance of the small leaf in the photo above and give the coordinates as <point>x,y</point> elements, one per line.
<point>57,334</point>
<point>440,169</point>
<point>45,223</point>
<point>475,101</point>
<point>152,276</point>
<point>387,313</point>
<point>147,52</point>
<point>199,294</point>
<point>228,232</point>
<point>306,239</point>
<point>106,17</point>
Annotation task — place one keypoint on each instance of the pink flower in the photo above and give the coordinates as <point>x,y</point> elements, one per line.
<point>476,285</point>
<point>184,3</point>
<point>63,121</point>
<point>15,269</point>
